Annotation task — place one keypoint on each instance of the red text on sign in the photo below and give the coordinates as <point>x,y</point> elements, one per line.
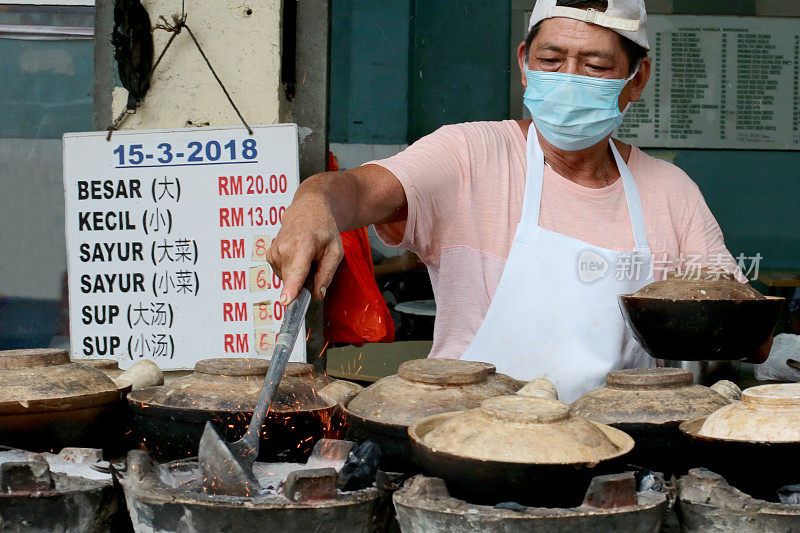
<point>237,185</point>
<point>234,280</point>
<point>234,312</point>
<point>231,216</point>
<point>232,248</point>
<point>236,343</point>
<point>230,185</point>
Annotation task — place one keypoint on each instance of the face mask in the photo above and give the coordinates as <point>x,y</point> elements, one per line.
<point>574,112</point>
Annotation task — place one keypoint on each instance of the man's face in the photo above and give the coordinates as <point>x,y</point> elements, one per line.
<point>575,47</point>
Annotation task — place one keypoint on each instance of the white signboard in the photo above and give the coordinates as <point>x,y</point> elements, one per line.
<point>719,82</point>
<point>167,233</point>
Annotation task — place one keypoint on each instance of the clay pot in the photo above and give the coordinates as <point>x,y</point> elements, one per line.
<point>383,411</point>
<point>225,391</point>
<point>519,448</point>
<point>649,404</point>
<point>699,286</point>
<point>700,319</point>
<point>754,443</point>
<point>48,402</point>
<point>767,413</point>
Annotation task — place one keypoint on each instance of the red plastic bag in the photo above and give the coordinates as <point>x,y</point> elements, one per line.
<point>355,311</point>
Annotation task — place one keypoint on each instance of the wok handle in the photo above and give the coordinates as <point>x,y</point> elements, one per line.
<point>287,336</point>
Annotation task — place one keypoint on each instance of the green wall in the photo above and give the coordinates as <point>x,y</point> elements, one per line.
<point>456,58</point>
<point>459,63</point>
<point>401,69</point>
<point>369,71</point>
<point>755,196</point>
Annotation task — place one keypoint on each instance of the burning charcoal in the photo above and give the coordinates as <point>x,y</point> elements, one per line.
<point>789,495</point>
<point>361,467</point>
<point>647,480</point>
<point>31,476</point>
<point>511,506</point>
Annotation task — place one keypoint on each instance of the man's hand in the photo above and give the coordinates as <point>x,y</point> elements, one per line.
<point>323,206</point>
<point>763,352</point>
<point>309,235</point>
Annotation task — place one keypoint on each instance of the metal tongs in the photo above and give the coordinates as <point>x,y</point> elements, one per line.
<point>227,468</point>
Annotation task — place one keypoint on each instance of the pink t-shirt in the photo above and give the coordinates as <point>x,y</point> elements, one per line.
<point>464,184</point>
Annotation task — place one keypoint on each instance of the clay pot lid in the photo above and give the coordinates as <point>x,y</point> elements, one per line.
<point>101,364</point>
<point>445,371</point>
<point>648,396</point>
<point>767,414</point>
<point>29,377</point>
<point>521,429</point>
<point>243,366</point>
<point>32,358</point>
<point>699,285</point>
<point>649,378</point>
<point>234,384</point>
<point>777,396</point>
<point>516,409</point>
<point>425,387</point>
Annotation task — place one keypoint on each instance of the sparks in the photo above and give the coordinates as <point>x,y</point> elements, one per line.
<point>324,348</point>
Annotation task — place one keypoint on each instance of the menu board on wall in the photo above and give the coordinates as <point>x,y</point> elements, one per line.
<point>167,235</point>
<point>719,82</point>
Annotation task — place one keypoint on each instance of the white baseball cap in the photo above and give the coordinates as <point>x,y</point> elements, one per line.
<point>626,17</point>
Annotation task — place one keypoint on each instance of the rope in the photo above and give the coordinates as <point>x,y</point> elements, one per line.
<point>177,25</point>
<point>221,85</point>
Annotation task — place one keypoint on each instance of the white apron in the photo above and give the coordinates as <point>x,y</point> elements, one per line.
<point>555,313</point>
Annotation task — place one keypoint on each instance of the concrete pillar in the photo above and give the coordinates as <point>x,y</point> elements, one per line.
<point>245,42</point>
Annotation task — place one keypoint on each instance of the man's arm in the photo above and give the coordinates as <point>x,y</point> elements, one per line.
<point>704,238</point>
<point>325,205</point>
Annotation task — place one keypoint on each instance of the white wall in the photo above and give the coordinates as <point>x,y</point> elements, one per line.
<point>245,51</point>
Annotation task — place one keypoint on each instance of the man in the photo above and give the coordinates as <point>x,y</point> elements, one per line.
<point>524,226</point>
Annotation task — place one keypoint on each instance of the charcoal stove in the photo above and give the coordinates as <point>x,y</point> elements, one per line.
<point>68,492</point>
<point>168,497</point>
<point>707,502</point>
<point>170,419</point>
<point>611,504</point>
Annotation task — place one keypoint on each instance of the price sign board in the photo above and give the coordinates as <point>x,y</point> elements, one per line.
<point>719,82</point>
<point>167,235</point>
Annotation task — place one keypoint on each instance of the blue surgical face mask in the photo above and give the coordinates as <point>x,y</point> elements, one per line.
<point>574,112</point>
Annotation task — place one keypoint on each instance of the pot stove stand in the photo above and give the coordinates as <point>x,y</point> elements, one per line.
<point>71,492</point>
<point>611,505</point>
<point>706,502</point>
<point>295,497</point>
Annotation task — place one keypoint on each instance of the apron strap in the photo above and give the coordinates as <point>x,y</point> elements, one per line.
<point>634,201</point>
<point>534,179</point>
